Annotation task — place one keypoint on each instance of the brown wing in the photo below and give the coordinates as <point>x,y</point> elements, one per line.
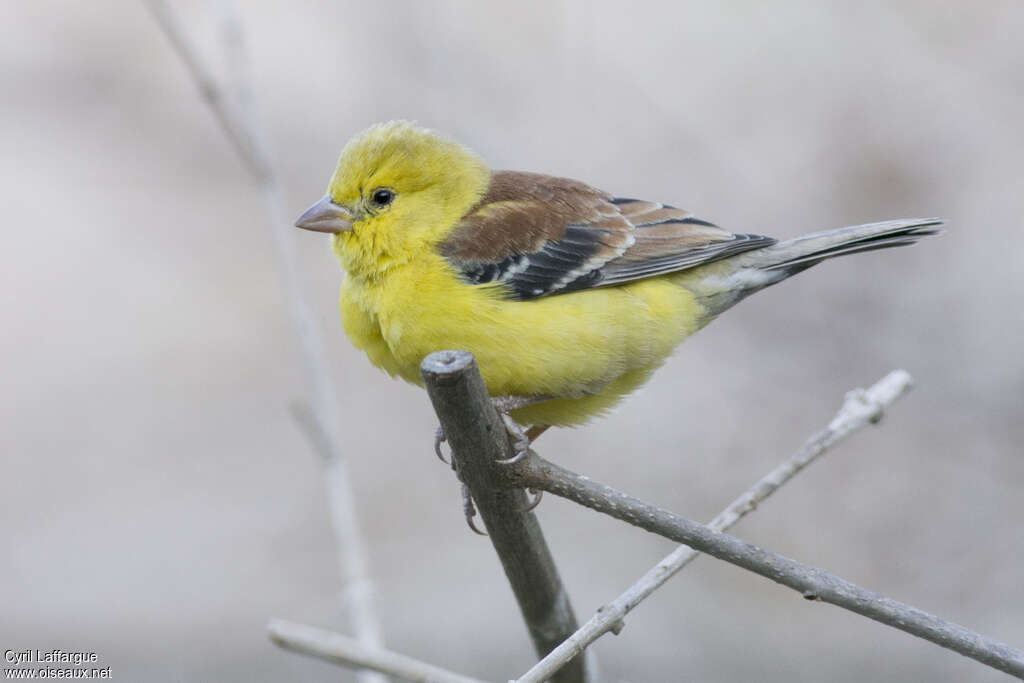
<point>540,235</point>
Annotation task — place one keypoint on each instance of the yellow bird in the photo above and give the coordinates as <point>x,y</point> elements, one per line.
<point>568,296</point>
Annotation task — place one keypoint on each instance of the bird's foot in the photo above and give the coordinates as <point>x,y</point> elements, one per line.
<point>518,437</point>
<point>521,440</point>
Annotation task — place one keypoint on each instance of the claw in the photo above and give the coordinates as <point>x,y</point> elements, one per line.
<point>520,445</point>
<point>470,510</point>
<point>520,441</point>
<point>469,520</point>
<point>520,455</point>
<point>440,438</point>
<point>537,495</point>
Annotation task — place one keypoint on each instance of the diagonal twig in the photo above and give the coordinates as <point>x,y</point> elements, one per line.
<point>241,124</point>
<point>860,408</point>
<point>813,583</point>
<point>338,649</point>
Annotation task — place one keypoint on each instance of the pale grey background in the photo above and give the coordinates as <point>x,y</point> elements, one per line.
<point>158,504</point>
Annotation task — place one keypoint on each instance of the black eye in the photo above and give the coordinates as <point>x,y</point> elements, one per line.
<point>382,196</point>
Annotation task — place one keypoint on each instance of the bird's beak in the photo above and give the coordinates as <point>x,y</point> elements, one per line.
<point>325,216</point>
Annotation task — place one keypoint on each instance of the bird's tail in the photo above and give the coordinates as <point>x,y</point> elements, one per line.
<point>792,256</point>
<point>746,273</point>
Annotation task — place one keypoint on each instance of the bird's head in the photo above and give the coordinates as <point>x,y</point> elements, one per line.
<point>398,190</point>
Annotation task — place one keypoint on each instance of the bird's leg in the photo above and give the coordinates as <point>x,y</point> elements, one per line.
<point>535,431</point>
<point>506,404</point>
<point>521,439</point>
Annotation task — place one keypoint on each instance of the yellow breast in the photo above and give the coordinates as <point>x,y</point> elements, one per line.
<point>587,348</point>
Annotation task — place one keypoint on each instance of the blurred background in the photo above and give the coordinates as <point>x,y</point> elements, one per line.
<point>159,504</point>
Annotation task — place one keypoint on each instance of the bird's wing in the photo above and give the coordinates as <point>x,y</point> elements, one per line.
<point>538,235</point>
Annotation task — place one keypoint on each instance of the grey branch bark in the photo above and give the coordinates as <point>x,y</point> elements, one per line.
<point>860,408</point>
<point>811,582</point>
<point>338,649</point>
<point>477,438</point>
<point>239,119</point>
<point>461,402</point>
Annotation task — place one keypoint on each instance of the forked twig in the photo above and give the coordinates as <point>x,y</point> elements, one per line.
<point>533,472</point>
<point>811,582</point>
<point>861,407</point>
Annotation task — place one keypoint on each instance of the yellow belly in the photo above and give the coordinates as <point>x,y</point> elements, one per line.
<point>587,348</point>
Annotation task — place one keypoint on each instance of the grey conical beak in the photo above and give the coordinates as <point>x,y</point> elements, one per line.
<point>325,216</point>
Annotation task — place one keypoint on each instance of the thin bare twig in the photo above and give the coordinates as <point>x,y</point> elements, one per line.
<point>338,649</point>
<point>811,582</point>
<point>477,438</point>
<point>240,122</point>
<point>860,408</point>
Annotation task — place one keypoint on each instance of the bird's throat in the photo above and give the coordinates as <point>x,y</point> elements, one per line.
<point>364,255</point>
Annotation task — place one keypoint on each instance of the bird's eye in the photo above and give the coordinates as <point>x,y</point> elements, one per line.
<point>382,196</point>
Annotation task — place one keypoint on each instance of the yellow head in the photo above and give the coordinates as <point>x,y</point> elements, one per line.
<point>396,193</point>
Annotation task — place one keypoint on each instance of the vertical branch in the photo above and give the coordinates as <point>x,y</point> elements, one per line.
<point>477,437</point>
<point>241,123</point>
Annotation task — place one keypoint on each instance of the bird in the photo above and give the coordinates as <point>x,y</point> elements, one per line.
<point>568,296</point>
